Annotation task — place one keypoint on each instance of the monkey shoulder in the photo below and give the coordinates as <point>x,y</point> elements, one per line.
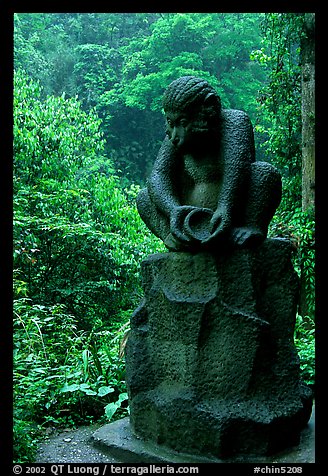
<point>166,157</point>
<point>234,118</point>
<point>237,137</point>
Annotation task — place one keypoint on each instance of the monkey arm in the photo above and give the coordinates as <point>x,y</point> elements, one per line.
<point>237,153</point>
<point>162,185</point>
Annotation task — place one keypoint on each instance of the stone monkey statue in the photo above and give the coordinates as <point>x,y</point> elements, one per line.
<point>205,188</point>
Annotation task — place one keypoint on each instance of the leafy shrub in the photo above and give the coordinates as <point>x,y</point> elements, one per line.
<point>299,228</point>
<point>25,441</point>
<point>305,343</point>
<point>45,339</point>
<point>62,375</point>
<point>78,237</point>
<point>101,374</point>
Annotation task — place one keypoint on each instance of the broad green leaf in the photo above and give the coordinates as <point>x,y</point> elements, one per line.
<point>110,409</point>
<point>122,397</point>
<point>70,388</point>
<point>105,390</point>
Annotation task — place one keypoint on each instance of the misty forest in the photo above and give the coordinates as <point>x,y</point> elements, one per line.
<point>88,124</point>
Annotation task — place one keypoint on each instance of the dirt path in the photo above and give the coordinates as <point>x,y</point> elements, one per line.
<point>72,447</point>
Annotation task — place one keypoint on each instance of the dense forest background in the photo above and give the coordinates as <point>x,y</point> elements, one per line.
<point>88,124</point>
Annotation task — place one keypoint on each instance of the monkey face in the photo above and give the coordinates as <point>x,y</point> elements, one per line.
<point>186,131</point>
<point>178,129</point>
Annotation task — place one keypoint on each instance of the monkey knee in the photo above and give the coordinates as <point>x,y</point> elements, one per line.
<point>151,216</point>
<point>143,203</point>
<point>266,171</point>
<point>265,192</point>
<point>266,178</point>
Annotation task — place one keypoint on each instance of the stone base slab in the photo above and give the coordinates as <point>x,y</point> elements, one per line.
<point>117,440</point>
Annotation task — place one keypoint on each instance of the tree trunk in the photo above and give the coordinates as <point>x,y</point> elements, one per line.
<point>308,135</point>
<point>308,111</point>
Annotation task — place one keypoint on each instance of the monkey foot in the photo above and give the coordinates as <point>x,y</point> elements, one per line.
<point>247,236</point>
<point>173,244</point>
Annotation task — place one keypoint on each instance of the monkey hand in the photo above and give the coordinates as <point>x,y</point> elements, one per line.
<point>177,219</point>
<point>219,225</point>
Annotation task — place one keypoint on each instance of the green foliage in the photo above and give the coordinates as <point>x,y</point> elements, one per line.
<point>306,259</point>
<point>74,243</point>
<point>45,340</point>
<point>52,137</point>
<point>299,227</point>
<point>78,243</point>
<point>279,102</point>
<point>62,375</point>
<point>121,64</point>
<point>25,440</point>
<point>96,71</point>
<point>280,124</point>
<point>279,108</point>
<point>206,45</point>
<point>112,407</point>
<point>100,379</point>
<point>305,344</point>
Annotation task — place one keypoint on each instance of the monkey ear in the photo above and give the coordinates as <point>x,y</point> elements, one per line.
<point>210,99</point>
<point>208,96</point>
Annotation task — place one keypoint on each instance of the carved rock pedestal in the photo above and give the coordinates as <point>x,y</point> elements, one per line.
<point>211,365</point>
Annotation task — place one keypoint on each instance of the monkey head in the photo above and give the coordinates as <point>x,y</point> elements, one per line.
<point>192,108</point>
